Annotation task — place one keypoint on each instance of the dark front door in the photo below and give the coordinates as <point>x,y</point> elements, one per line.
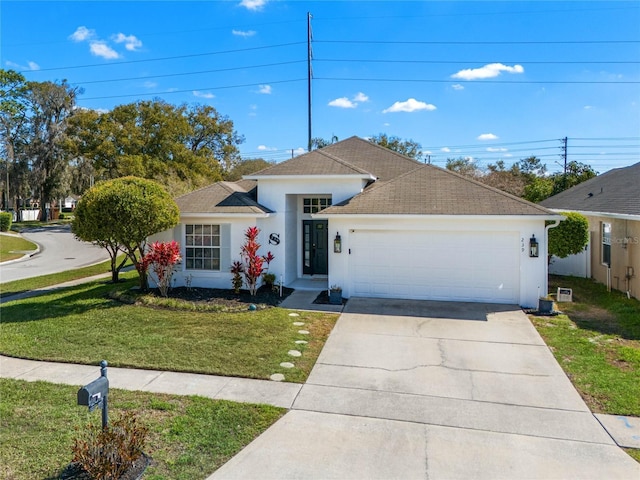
<point>314,247</point>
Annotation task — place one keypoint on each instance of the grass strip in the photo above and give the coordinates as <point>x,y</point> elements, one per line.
<point>189,438</point>
<point>83,325</point>
<point>597,342</point>
<point>19,286</point>
<point>12,247</point>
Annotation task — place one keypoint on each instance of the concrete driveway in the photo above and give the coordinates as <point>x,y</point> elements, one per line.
<point>434,390</point>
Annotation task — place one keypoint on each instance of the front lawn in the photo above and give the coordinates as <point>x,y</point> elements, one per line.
<point>83,325</point>
<point>189,437</point>
<point>596,340</point>
<point>12,247</point>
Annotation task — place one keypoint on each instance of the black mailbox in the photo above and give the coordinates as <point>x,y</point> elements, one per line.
<point>93,394</point>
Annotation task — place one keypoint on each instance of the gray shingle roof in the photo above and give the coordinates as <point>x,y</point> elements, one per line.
<point>615,191</point>
<point>431,190</point>
<point>221,197</point>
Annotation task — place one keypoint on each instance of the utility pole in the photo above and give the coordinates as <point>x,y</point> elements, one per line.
<point>564,157</point>
<point>309,77</point>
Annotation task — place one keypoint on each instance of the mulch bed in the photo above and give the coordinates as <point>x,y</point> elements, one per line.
<point>265,297</point>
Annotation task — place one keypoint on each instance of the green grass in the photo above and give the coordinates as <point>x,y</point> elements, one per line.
<point>597,342</point>
<point>19,286</point>
<point>189,437</point>
<point>12,247</point>
<point>83,325</point>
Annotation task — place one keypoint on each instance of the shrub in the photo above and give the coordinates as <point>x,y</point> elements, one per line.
<point>5,221</point>
<point>163,257</point>
<point>109,453</point>
<point>61,216</point>
<point>237,269</point>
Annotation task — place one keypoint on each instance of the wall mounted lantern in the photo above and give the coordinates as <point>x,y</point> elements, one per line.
<point>533,246</point>
<point>337,244</point>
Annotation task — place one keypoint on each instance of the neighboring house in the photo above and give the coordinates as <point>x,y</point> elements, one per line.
<point>611,203</point>
<point>372,221</point>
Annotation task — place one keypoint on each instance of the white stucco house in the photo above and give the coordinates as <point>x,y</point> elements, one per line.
<point>372,221</point>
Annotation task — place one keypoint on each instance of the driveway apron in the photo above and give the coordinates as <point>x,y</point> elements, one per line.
<point>434,390</point>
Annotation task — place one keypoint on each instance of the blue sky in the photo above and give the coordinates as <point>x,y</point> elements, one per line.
<point>487,80</point>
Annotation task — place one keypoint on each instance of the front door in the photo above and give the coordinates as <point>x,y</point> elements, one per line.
<point>314,247</point>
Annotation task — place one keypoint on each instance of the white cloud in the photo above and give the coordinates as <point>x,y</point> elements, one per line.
<point>131,42</point>
<point>488,71</point>
<point>299,151</point>
<point>33,66</point>
<point>101,49</point>
<point>264,148</point>
<point>360,97</point>
<point>253,4</point>
<point>265,89</point>
<point>411,105</point>
<point>588,107</point>
<point>81,34</point>
<point>487,136</point>
<point>199,94</point>
<point>342,102</point>
<point>386,124</point>
<point>457,86</point>
<point>148,84</point>
<point>496,149</point>
<point>445,149</point>
<point>244,33</point>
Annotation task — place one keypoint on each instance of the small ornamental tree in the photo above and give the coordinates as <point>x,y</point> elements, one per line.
<point>162,258</point>
<point>252,263</point>
<point>570,237</point>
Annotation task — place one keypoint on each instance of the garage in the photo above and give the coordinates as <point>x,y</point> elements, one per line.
<point>435,265</point>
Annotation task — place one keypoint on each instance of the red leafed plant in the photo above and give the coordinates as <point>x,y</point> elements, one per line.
<point>162,258</point>
<point>252,263</point>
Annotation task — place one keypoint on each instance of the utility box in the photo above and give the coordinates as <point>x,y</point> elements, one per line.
<point>564,295</point>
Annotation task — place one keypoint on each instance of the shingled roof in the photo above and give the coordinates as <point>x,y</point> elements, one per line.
<point>616,191</point>
<point>221,197</point>
<point>431,190</point>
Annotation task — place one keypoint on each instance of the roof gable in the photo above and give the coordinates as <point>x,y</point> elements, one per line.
<point>431,190</point>
<point>222,198</point>
<point>616,191</point>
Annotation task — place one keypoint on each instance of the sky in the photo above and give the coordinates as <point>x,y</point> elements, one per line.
<point>487,81</point>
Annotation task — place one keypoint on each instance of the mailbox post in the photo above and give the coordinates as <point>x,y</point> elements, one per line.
<point>96,393</point>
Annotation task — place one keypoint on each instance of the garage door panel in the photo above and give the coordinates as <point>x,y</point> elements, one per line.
<point>463,266</point>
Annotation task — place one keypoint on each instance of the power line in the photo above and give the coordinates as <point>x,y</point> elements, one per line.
<point>197,89</point>
<point>551,82</point>
<point>480,42</point>
<point>176,57</point>
<point>446,62</point>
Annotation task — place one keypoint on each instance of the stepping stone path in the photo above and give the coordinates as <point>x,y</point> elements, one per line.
<point>287,365</point>
<point>277,377</point>
<point>301,342</point>
<point>294,314</point>
<point>294,353</point>
<point>303,332</point>
<point>298,324</point>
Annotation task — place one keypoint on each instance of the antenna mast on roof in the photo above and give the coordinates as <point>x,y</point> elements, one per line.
<point>309,76</point>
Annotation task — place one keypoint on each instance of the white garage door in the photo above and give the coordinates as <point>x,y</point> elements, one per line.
<point>462,266</point>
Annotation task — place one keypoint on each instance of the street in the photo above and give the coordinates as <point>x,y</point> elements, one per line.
<point>59,251</point>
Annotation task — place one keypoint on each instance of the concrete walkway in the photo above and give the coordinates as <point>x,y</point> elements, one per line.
<point>405,389</point>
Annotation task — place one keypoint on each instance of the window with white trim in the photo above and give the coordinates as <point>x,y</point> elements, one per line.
<point>606,243</point>
<point>314,205</point>
<point>202,247</point>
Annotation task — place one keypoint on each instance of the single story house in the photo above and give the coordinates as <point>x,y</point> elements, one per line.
<point>375,223</point>
<point>611,203</point>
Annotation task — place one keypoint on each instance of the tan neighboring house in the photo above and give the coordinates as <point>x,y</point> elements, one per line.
<point>611,203</point>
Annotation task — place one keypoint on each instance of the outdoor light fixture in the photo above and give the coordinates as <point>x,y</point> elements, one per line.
<point>533,246</point>
<point>337,244</point>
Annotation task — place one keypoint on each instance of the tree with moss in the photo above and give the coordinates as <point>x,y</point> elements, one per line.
<point>570,237</point>
<point>120,214</point>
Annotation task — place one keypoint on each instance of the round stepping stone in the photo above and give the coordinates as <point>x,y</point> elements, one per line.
<point>287,365</point>
<point>294,353</point>
<point>301,342</point>
<point>303,332</point>
<point>298,324</point>
<point>294,314</point>
<point>277,377</point>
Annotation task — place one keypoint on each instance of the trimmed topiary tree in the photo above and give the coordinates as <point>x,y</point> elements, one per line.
<point>6,218</point>
<point>570,237</point>
<point>120,215</point>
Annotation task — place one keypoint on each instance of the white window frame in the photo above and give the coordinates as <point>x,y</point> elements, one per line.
<point>200,243</point>
<point>605,243</point>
